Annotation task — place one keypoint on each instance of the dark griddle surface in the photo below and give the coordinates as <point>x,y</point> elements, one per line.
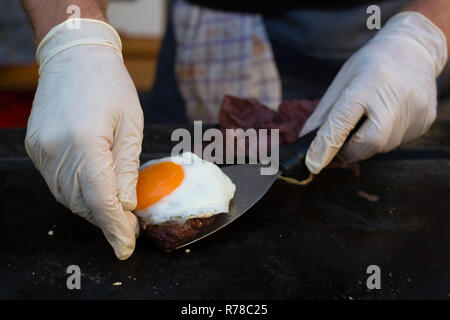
<point>313,242</point>
<point>297,242</point>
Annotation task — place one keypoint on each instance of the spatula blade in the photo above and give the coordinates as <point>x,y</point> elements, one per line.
<point>250,187</point>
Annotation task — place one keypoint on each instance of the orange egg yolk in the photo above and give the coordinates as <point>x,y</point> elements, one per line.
<point>157,181</point>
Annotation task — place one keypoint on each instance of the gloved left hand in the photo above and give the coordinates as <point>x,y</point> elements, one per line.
<point>85,130</point>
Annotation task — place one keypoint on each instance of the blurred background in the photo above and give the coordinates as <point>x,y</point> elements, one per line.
<point>141,24</point>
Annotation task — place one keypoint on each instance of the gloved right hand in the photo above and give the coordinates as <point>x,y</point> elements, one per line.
<point>392,81</point>
<point>85,130</point>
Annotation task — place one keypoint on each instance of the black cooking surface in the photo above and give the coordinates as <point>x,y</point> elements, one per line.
<point>297,242</point>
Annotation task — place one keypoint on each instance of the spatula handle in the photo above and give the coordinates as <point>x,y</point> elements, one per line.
<point>293,153</point>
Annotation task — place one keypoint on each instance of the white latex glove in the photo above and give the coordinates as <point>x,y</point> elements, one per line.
<point>391,80</point>
<point>85,130</point>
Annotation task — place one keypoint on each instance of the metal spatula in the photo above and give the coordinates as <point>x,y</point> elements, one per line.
<point>251,185</point>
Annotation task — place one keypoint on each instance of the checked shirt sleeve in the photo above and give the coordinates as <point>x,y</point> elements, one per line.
<point>222,53</point>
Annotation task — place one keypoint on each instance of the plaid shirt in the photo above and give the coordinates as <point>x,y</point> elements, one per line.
<point>221,53</point>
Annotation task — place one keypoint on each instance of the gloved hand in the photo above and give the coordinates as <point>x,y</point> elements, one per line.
<point>391,80</point>
<point>85,130</point>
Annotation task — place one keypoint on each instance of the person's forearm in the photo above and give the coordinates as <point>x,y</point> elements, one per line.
<point>437,11</point>
<point>45,14</point>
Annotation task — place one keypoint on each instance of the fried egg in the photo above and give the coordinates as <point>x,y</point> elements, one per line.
<point>180,188</point>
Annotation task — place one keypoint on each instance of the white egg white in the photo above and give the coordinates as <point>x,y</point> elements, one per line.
<point>205,191</point>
